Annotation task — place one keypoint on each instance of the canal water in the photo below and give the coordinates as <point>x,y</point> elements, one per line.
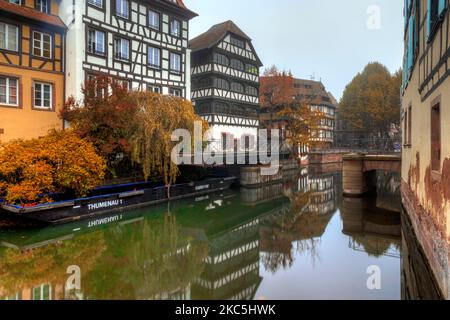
<point>297,239</point>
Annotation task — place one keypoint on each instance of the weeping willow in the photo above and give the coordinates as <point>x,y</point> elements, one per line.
<point>151,144</point>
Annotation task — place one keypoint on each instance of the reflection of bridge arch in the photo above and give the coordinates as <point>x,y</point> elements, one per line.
<point>377,233</point>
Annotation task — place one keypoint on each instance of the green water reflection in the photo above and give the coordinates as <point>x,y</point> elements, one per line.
<point>295,240</point>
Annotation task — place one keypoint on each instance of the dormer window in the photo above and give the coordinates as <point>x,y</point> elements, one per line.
<point>42,5</point>
<point>237,42</point>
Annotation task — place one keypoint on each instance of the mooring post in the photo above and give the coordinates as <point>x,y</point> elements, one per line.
<point>353,175</point>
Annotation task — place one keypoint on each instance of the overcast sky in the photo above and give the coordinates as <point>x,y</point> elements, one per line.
<point>328,38</point>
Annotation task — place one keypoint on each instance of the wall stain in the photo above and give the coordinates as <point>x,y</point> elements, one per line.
<point>437,192</point>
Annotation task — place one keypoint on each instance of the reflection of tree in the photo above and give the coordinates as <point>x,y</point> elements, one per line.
<point>148,259</point>
<point>294,229</point>
<point>48,264</point>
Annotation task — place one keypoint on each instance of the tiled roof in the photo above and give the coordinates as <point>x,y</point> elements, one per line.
<point>180,4</point>
<point>30,13</point>
<point>216,33</point>
<point>313,91</point>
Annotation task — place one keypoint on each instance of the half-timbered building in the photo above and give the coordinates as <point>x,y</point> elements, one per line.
<point>426,127</point>
<point>142,43</point>
<point>31,68</point>
<point>225,83</point>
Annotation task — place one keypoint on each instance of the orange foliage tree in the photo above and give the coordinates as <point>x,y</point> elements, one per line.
<point>276,92</point>
<point>280,109</point>
<point>104,117</point>
<point>57,162</point>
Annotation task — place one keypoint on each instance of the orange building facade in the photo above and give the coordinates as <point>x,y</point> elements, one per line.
<point>31,68</point>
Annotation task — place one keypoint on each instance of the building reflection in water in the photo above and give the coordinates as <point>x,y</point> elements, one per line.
<point>211,248</point>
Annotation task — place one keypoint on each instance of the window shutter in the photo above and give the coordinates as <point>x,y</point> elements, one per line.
<point>441,6</point>
<point>410,44</point>
<point>32,96</point>
<point>428,18</point>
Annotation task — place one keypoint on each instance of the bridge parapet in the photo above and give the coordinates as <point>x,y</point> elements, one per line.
<point>359,168</point>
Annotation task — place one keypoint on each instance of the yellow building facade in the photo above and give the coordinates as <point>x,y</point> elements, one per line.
<point>31,68</point>
<point>426,129</point>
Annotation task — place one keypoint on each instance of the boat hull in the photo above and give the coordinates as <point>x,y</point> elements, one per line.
<point>87,208</point>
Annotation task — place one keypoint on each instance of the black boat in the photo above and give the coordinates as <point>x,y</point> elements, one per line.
<point>108,199</point>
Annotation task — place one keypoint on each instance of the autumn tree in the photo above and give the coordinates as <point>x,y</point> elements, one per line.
<point>371,101</point>
<point>275,93</point>
<point>280,109</point>
<point>57,162</point>
<point>104,117</point>
<point>151,144</point>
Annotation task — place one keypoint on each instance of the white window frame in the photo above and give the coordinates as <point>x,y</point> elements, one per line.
<point>15,2</point>
<point>41,291</point>
<point>153,88</point>
<point>43,85</point>
<point>121,58</point>
<point>40,6</point>
<point>7,30</point>
<point>154,56</point>
<point>154,13</point>
<point>96,35</point>
<point>125,4</point>
<point>41,41</point>
<point>96,3</point>
<point>172,92</point>
<point>7,95</point>
<point>173,62</point>
<point>178,33</point>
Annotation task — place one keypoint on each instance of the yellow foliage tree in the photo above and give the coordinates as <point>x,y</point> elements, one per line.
<point>302,126</point>
<point>57,162</point>
<point>151,144</point>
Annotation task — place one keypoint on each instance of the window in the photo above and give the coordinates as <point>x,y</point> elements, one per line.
<point>96,42</point>
<point>237,64</point>
<point>19,2</point>
<point>251,69</point>
<point>97,90</point>
<point>237,87</point>
<point>154,57</point>
<point>121,49</point>
<point>9,37</point>
<point>436,138</point>
<point>42,5</point>
<point>175,62</point>
<point>43,292</point>
<point>9,91</point>
<point>175,29</point>
<point>237,42</point>
<point>221,84</point>
<point>435,12</point>
<point>123,8</point>
<point>42,95</point>
<point>97,3</point>
<point>155,89</point>
<point>123,83</point>
<point>175,92</point>
<point>409,126</point>
<point>153,19</point>
<point>221,59</point>
<point>42,44</point>
<point>252,91</point>
<point>202,83</point>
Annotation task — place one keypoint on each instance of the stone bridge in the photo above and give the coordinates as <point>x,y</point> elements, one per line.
<point>359,171</point>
